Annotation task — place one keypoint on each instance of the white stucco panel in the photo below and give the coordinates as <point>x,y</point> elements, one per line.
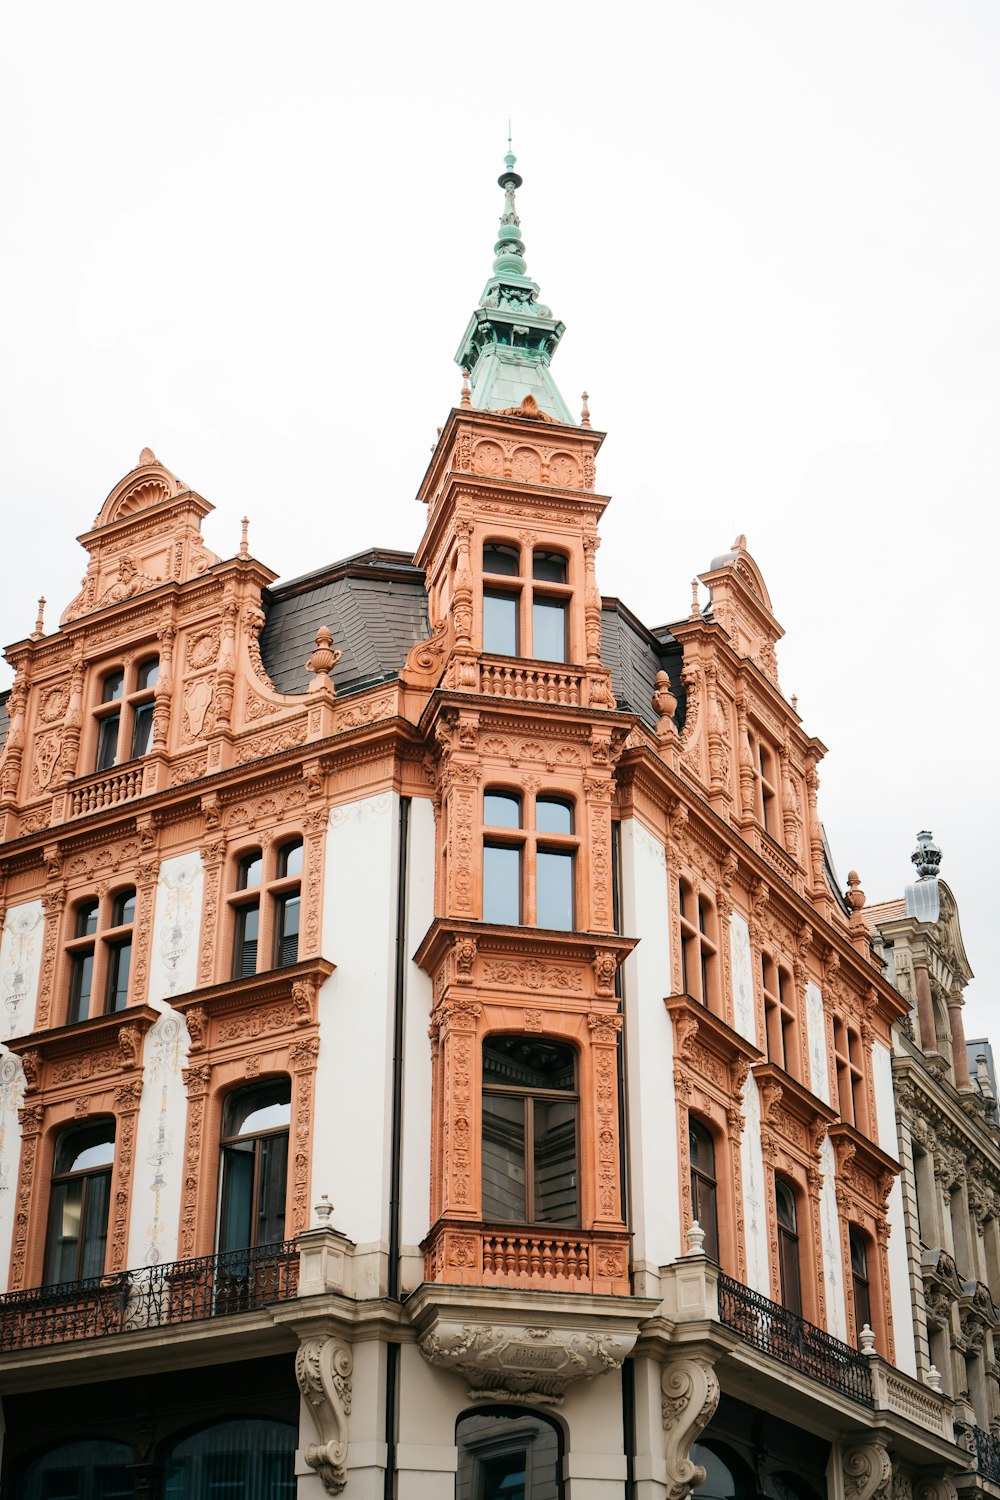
<point>20,964</point>
<point>899,1276</point>
<point>415,1215</point>
<point>819,1071</point>
<point>744,1017</point>
<point>829,1223</point>
<point>159,1164</point>
<point>173,968</point>
<point>754,1195</point>
<point>11,1098</point>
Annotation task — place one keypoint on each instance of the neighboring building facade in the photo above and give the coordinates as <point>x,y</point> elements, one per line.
<point>447,1066</point>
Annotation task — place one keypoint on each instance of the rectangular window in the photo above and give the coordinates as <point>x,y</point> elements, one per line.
<point>247,932</point>
<point>502,884</point>
<point>555,1161</point>
<point>548,629</point>
<point>81,982</point>
<point>503,1160</point>
<point>500,624</point>
<point>286,931</point>
<point>107,743</point>
<point>142,730</point>
<point>554,891</point>
<point>119,964</point>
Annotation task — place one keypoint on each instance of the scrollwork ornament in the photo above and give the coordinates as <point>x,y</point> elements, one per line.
<point>867,1472</point>
<point>690,1390</point>
<point>323,1369</point>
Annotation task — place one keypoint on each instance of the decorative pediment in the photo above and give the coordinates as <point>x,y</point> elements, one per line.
<point>742,606</point>
<point>708,1051</point>
<point>149,483</point>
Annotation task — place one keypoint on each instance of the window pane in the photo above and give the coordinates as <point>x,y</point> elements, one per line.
<point>142,730</point>
<point>500,624</point>
<point>553,816</point>
<point>65,1211</point>
<point>502,884</point>
<point>503,560</point>
<point>124,909</point>
<point>81,981</point>
<point>250,870</point>
<point>290,859</point>
<point>501,810</point>
<point>247,926</point>
<point>119,965</point>
<point>554,897</point>
<point>702,1148</point>
<point>548,631</point>
<point>264,1107</point>
<point>503,1478</point>
<point>273,1180</point>
<point>95,1224</point>
<point>112,687</point>
<point>555,1162</point>
<point>236,1218</point>
<point>249,1459</point>
<point>286,936</point>
<point>149,671</point>
<point>86,919</point>
<point>107,743</point>
<point>548,567</point>
<point>503,1159</point>
<point>90,1146</point>
<point>525,1062</point>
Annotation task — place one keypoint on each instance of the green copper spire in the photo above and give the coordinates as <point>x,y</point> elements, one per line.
<point>511,336</point>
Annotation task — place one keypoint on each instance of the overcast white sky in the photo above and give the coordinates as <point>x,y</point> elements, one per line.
<point>250,236</point>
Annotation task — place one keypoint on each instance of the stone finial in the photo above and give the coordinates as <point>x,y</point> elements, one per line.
<point>665,705</point>
<point>695,1239</point>
<point>323,1212</point>
<point>147,456</point>
<point>855,896</point>
<point>934,1379</point>
<point>585,413</point>
<point>695,606</point>
<point>466,393</point>
<point>244,537</point>
<point>39,629</point>
<point>866,1338</point>
<point>795,703</point>
<point>322,662</point>
<point>740,544</point>
<point>927,855</point>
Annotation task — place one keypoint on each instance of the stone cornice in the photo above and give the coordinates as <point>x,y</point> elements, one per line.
<point>525,943</point>
<point>259,989</point>
<point>84,1036</point>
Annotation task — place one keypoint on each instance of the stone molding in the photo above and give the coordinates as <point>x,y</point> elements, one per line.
<point>690,1395</point>
<point>323,1368</point>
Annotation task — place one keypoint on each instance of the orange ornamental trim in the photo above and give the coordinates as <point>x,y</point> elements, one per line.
<point>542,1258</point>
<point>711,1065</point>
<point>73,1074</point>
<point>865,1175</point>
<point>262,1026</point>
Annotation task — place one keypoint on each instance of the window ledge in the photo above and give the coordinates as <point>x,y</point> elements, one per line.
<point>298,983</point>
<point>101,1044</point>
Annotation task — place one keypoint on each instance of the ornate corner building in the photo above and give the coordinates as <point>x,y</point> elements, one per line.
<point>437,1059</point>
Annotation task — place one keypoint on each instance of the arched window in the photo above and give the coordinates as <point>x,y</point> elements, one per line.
<point>530,1107</point>
<point>859,1278</point>
<point>726,1475</point>
<point>255,1125</point>
<point>124,714</point>
<point>848,1056</point>
<point>766,770</point>
<point>251,1457</point>
<point>699,947</point>
<point>507,1454</point>
<point>91,1469</point>
<point>520,842</point>
<point>266,904</point>
<point>779,1015</point>
<point>100,955</point>
<point>525,615</point>
<point>703,1184</point>
<point>78,1203</point>
<point>788,1247</point>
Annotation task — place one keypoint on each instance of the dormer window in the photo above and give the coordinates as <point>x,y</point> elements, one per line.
<point>124,714</point>
<point>525,610</point>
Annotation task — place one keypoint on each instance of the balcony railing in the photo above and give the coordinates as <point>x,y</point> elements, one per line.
<point>107,790</point>
<point>987,1454</point>
<point>531,684</point>
<point>788,1338</point>
<point>183,1291</point>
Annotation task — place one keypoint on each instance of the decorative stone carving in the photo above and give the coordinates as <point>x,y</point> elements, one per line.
<point>867,1472</point>
<point>690,1395</point>
<point>522,1362</point>
<point>323,1368</point>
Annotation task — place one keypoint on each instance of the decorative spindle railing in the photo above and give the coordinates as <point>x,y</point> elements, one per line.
<point>183,1291</point>
<point>106,791</point>
<point>530,684</point>
<point>794,1342</point>
<point>534,1257</point>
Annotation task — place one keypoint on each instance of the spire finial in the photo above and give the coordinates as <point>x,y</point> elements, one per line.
<point>244,541</point>
<point>509,248</point>
<point>39,629</point>
<point>466,393</point>
<point>585,413</point>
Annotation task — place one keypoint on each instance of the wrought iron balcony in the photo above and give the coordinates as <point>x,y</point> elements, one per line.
<point>987,1454</point>
<point>794,1342</point>
<point>183,1291</point>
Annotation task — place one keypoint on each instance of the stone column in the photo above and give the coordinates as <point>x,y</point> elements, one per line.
<point>925,1008</point>
<point>960,1058</point>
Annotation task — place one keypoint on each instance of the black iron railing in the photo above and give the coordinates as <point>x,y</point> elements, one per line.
<point>183,1291</point>
<point>793,1341</point>
<point>987,1454</point>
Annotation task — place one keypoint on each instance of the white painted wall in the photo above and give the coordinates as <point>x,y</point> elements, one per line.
<point>20,964</point>
<point>416,1166</point>
<point>744,1011</point>
<point>173,970</point>
<point>819,1072</point>
<point>11,1098</point>
<point>653,1147</point>
<point>754,1195</point>
<point>829,1223</point>
<point>899,1277</point>
<point>351,1140</point>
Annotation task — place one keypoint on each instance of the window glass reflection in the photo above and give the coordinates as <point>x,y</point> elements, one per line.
<point>502,884</point>
<point>549,630</point>
<point>500,624</point>
<point>554,894</point>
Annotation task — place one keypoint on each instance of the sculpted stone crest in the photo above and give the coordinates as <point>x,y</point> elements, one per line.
<point>522,1362</point>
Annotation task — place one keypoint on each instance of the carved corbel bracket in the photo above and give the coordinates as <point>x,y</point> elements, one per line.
<point>690,1395</point>
<point>867,1471</point>
<point>934,1487</point>
<point>323,1368</point>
